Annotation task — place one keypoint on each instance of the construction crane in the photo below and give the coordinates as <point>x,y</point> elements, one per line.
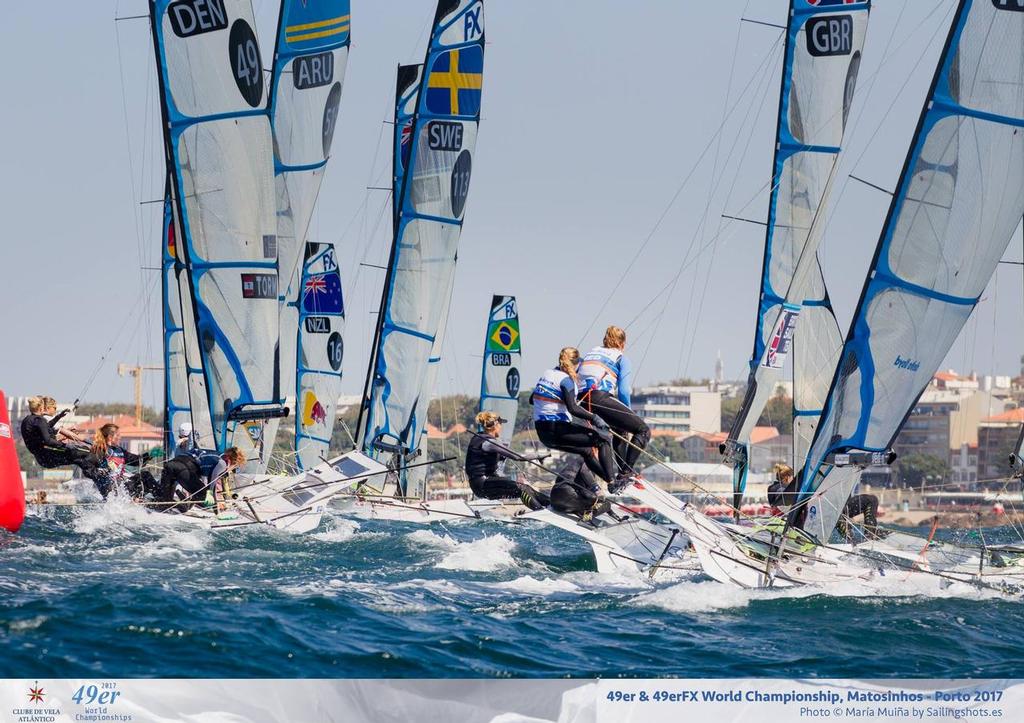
<point>136,371</point>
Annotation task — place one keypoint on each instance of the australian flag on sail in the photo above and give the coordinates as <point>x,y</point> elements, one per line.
<point>455,82</point>
<point>322,294</point>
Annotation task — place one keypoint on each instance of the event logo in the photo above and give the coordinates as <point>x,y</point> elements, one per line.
<point>36,694</point>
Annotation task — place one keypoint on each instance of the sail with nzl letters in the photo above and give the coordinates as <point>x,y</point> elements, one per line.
<point>219,155</point>
<point>824,41</point>
<point>429,208</point>
<point>958,202</point>
<point>309,69</point>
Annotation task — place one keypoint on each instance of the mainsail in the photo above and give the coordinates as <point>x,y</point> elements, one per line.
<point>503,353</point>
<point>428,220</point>
<point>217,141</point>
<point>177,406</point>
<point>309,70</point>
<point>960,197</point>
<point>819,75</point>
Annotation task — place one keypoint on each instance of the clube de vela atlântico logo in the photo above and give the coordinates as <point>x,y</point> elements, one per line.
<point>36,694</point>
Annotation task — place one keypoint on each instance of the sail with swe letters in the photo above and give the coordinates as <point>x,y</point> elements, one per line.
<point>313,42</point>
<point>219,155</point>
<point>429,206</point>
<point>959,199</point>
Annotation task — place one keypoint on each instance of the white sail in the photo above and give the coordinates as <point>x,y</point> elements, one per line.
<point>309,71</point>
<point>503,355</point>
<point>218,144</point>
<point>429,211</point>
<point>959,199</point>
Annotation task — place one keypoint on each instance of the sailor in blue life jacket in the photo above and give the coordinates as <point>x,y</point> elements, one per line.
<point>555,406</point>
<point>110,462</point>
<point>606,379</point>
<point>483,454</point>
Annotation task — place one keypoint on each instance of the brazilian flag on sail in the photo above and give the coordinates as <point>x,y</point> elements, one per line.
<point>503,336</point>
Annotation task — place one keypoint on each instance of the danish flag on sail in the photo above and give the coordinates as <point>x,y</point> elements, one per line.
<point>12,490</point>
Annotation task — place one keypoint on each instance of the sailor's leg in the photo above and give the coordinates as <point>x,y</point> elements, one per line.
<point>499,488</point>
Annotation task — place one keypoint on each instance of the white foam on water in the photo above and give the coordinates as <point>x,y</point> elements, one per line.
<point>342,531</point>
<point>527,585</point>
<point>20,626</point>
<point>487,554</point>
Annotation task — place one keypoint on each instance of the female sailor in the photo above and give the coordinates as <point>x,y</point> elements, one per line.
<point>555,405</point>
<point>605,374</point>
<point>483,455</point>
<point>110,462</point>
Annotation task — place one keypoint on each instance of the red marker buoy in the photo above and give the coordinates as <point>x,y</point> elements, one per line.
<point>12,490</point>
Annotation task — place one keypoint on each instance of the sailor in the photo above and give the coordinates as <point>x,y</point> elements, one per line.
<point>65,435</point>
<point>606,376</point>
<point>576,493</point>
<point>483,455</point>
<point>110,462</point>
<point>782,492</point>
<point>42,442</point>
<point>555,405</point>
<point>222,477</point>
<point>863,504</point>
<point>186,441</point>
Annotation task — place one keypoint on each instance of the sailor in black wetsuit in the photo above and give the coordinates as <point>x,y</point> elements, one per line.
<point>42,442</point>
<point>782,492</point>
<point>866,505</point>
<point>576,492</point>
<point>484,453</point>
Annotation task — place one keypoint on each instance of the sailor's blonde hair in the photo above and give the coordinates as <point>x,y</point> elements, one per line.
<point>782,472</point>
<point>36,404</point>
<point>568,360</point>
<point>487,420</point>
<point>614,338</point>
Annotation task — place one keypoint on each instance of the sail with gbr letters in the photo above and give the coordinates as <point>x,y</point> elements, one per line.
<point>429,208</point>
<point>503,354</point>
<point>958,201</point>
<point>309,70</point>
<point>824,41</point>
<point>218,147</point>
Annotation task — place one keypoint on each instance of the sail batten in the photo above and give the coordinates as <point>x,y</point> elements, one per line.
<point>959,199</point>
<point>437,111</point>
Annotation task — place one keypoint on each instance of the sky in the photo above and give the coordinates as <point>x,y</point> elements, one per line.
<point>613,138</point>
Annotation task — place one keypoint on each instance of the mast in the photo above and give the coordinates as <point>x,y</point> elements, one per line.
<point>820,66</point>
<point>958,201</point>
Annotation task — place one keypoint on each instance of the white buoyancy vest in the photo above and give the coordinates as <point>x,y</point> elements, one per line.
<point>547,397</point>
<point>600,369</point>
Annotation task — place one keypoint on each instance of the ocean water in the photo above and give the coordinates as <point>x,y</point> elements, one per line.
<point>116,591</point>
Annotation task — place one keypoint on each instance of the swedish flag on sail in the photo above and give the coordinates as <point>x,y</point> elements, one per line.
<point>456,78</point>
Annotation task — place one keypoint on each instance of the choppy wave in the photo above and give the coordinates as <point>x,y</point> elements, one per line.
<point>115,590</point>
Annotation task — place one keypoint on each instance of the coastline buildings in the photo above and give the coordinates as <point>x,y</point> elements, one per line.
<point>680,409</point>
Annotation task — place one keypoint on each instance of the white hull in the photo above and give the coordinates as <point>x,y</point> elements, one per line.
<point>398,509</point>
<point>631,543</point>
<point>292,503</point>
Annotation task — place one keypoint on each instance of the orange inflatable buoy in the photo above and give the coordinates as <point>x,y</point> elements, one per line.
<point>12,489</point>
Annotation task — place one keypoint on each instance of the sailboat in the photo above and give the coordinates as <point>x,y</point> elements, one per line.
<point>437,114</point>
<point>220,261</point>
<point>959,198</point>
